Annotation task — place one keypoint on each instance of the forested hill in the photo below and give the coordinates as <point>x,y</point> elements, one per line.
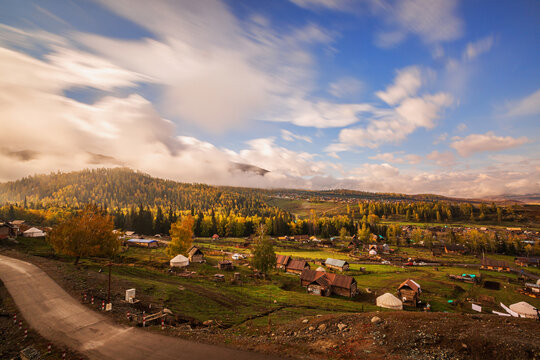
<point>124,188</point>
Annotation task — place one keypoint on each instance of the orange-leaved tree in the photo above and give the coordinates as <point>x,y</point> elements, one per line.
<point>87,233</point>
<point>181,236</point>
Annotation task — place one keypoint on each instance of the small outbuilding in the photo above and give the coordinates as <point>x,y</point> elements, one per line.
<point>179,261</point>
<point>389,301</point>
<point>336,264</point>
<point>524,310</point>
<point>409,291</point>
<point>320,268</point>
<point>195,255</point>
<point>215,237</point>
<point>225,265</point>
<point>33,232</point>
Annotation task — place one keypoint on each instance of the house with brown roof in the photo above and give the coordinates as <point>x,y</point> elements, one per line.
<point>455,249</point>
<point>195,255</point>
<point>491,264</point>
<point>325,284</point>
<point>528,261</point>
<point>282,261</point>
<point>296,266</point>
<point>409,292</point>
<point>225,265</point>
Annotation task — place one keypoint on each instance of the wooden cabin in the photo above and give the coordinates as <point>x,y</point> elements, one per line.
<point>195,255</point>
<point>455,249</point>
<point>282,261</point>
<point>336,264</point>
<point>497,265</point>
<point>528,261</point>
<point>409,292</point>
<point>225,265</point>
<point>324,284</point>
<point>296,266</point>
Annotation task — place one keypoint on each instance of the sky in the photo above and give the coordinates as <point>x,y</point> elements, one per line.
<point>409,96</point>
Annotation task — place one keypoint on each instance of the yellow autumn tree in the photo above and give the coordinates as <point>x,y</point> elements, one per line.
<point>181,236</point>
<point>87,233</point>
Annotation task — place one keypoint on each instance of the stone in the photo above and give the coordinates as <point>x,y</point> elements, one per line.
<point>376,320</point>
<point>464,345</point>
<point>341,326</point>
<point>305,321</point>
<point>322,327</point>
<point>311,328</point>
<point>208,322</point>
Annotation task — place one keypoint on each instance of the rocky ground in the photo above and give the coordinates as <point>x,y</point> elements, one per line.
<point>380,335</point>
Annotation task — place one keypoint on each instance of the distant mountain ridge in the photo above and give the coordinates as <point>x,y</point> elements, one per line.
<point>123,187</point>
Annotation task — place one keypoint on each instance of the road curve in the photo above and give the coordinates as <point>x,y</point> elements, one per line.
<point>60,318</point>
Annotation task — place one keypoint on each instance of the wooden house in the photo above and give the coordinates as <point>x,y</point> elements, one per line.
<point>409,292</point>
<point>225,265</point>
<point>149,243</point>
<point>336,264</point>
<point>528,261</point>
<point>296,266</point>
<point>7,231</point>
<point>195,255</point>
<point>282,261</point>
<point>325,284</point>
<point>455,249</point>
<point>491,264</point>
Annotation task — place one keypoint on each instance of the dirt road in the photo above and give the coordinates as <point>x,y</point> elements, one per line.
<point>60,318</point>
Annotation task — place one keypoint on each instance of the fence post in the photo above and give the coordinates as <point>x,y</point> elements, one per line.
<point>92,300</point>
<point>15,318</point>
<point>144,320</point>
<point>25,333</point>
<point>128,316</point>
<point>20,324</point>
<point>162,324</point>
<point>49,349</point>
<point>103,305</point>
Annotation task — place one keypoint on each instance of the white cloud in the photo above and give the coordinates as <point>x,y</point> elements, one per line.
<point>398,123</point>
<point>461,127</point>
<point>345,87</point>
<point>486,142</point>
<point>474,49</point>
<point>319,4</point>
<point>434,21</point>
<point>529,105</point>
<point>290,136</point>
<point>408,81</point>
<point>400,158</point>
<point>446,159</point>
<point>441,138</point>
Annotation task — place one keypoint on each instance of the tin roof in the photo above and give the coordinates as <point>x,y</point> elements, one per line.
<point>142,241</point>
<point>335,262</point>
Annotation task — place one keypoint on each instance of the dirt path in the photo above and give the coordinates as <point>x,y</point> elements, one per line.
<point>60,318</point>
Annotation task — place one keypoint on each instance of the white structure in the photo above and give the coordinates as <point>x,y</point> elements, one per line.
<point>130,295</point>
<point>320,268</point>
<point>389,301</point>
<point>372,252</point>
<point>33,232</point>
<point>179,261</point>
<point>524,310</point>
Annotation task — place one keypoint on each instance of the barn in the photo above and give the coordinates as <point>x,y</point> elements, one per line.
<point>195,255</point>
<point>296,266</point>
<point>409,291</point>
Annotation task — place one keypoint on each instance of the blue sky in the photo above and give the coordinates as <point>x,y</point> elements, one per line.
<point>411,96</point>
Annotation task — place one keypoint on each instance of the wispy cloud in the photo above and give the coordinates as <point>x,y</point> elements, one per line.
<point>475,143</point>
<point>290,136</point>
<point>474,49</point>
<point>529,105</point>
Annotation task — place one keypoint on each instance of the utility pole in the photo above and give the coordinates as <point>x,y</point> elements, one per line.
<point>109,294</point>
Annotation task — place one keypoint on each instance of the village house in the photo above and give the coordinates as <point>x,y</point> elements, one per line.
<point>325,284</point>
<point>215,237</point>
<point>195,255</point>
<point>454,249</point>
<point>296,266</point>
<point>7,231</point>
<point>409,292</point>
<point>336,264</point>
<point>491,264</point>
<point>282,261</point>
<point>528,261</point>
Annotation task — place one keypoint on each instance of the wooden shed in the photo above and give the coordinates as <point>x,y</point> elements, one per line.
<point>296,266</point>
<point>195,255</point>
<point>409,292</point>
<point>324,284</point>
<point>225,265</point>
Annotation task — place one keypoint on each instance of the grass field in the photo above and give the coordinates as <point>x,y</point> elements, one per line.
<point>201,298</point>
